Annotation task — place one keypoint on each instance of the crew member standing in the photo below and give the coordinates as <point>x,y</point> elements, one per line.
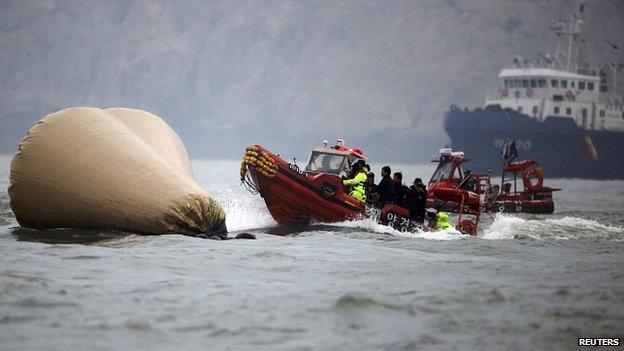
<point>400,190</point>
<point>371,189</point>
<point>385,188</point>
<point>469,183</point>
<point>416,201</point>
<point>356,184</point>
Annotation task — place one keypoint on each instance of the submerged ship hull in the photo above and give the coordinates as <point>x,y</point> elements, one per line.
<point>561,147</point>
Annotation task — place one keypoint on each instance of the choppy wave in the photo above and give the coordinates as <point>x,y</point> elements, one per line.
<point>358,302</point>
<point>371,225</point>
<point>511,227</point>
<point>507,227</point>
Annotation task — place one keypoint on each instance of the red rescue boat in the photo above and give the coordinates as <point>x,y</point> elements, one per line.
<point>522,190</point>
<point>298,196</point>
<point>448,193</point>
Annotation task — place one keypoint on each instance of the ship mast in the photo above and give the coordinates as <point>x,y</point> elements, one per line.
<point>615,67</point>
<point>571,31</point>
<point>566,58</point>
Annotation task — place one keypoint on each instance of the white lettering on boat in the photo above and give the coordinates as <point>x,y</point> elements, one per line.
<point>295,168</point>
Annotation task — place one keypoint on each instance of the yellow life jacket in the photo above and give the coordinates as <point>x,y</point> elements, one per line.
<point>443,221</point>
<point>356,186</point>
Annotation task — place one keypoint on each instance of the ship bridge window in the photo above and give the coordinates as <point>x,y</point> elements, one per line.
<point>557,97</point>
<point>516,83</point>
<point>541,83</point>
<point>327,163</point>
<point>533,83</point>
<point>572,83</point>
<point>564,84</point>
<point>446,171</point>
<point>581,85</point>
<point>554,83</point>
<point>590,86</point>
<point>507,83</point>
<point>525,83</point>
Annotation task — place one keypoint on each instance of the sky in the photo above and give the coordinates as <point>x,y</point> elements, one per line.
<point>283,74</point>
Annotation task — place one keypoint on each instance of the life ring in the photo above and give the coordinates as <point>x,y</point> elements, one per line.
<point>569,95</point>
<point>529,92</point>
<point>505,93</point>
<point>533,179</point>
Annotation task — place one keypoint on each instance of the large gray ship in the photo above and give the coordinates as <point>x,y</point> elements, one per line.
<point>562,110</point>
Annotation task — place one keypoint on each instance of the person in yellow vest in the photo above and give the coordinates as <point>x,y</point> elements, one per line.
<point>443,221</point>
<point>356,184</point>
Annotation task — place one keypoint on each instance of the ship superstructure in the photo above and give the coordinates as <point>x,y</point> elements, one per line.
<point>565,84</point>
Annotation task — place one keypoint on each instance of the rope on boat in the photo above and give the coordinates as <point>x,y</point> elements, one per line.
<point>263,164</point>
<point>249,185</point>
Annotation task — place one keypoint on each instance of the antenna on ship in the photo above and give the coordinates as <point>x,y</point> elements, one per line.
<point>546,57</point>
<point>614,67</point>
<point>572,31</point>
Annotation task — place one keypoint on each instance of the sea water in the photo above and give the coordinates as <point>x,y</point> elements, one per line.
<point>526,282</point>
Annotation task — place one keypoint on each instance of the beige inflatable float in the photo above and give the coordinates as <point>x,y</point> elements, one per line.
<point>120,168</point>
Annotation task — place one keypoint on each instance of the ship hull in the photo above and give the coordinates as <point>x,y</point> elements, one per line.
<point>562,148</point>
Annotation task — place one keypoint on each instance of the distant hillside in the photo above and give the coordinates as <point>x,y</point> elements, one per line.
<point>284,74</point>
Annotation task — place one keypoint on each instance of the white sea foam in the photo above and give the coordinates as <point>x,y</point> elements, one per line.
<point>371,225</point>
<point>510,227</point>
<point>246,213</point>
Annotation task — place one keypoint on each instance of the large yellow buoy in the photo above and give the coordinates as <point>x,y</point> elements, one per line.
<point>121,169</point>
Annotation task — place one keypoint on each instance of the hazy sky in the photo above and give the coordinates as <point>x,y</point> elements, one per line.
<point>285,74</point>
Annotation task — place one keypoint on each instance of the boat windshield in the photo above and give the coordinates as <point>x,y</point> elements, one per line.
<point>446,171</point>
<point>327,163</point>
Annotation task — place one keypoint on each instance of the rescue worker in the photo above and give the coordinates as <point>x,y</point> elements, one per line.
<point>400,190</point>
<point>432,218</point>
<point>468,183</point>
<point>371,189</point>
<point>416,201</point>
<point>325,164</point>
<point>385,188</point>
<point>443,221</point>
<point>356,184</point>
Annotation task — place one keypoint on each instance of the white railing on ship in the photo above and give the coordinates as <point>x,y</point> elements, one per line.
<point>490,96</point>
<point>615,102</point>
